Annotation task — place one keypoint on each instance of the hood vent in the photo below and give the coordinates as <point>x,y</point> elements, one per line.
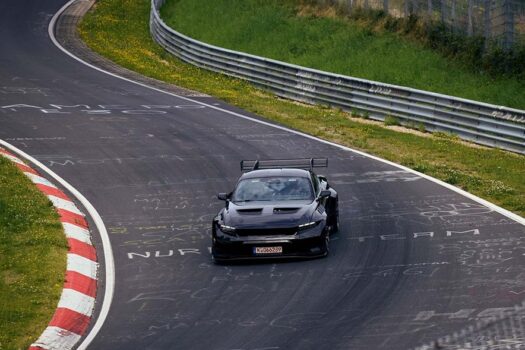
<point>250,211</point>
<point>285,210</point>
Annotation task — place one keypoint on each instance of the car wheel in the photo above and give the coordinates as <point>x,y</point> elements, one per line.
<point>213,258</point>
<point>335,225</point>
<point>217,261</point>
<point>326,244</point>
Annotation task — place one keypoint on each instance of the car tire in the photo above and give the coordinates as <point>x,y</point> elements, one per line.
<point>334,228</point>
<point>218,262</point>
<point>326,244</point>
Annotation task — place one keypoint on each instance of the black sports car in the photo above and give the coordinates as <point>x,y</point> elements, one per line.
<point>279,208</point>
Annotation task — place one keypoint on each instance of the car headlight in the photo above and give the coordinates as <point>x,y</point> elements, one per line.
<point>226,229</point>
<point>308,225</point>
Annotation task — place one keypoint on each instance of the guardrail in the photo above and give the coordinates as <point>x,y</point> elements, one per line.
<point>482,123</point>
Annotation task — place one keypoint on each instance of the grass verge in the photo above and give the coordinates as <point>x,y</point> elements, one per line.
<point>118,29</point>
<point>32,259</point>
<point>310,36</point>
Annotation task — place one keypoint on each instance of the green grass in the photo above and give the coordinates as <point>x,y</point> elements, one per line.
<point>32,259</point>
<point>389,120</point>
<point>280,30</point>
<point>118,29</point>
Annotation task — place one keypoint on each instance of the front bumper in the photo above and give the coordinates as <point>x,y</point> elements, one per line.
<point>294,246</point>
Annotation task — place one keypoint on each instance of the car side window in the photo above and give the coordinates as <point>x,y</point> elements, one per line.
<point>315,183</point>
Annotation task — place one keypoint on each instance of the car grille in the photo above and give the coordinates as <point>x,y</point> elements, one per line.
<point>267,232</point>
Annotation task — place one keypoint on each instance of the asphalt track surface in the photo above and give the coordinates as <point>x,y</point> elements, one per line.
<point>414,261</point>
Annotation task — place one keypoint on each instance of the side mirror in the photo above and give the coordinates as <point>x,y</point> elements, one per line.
<point>323,178</point>
<point>222,196</point>
<point>324,194</point>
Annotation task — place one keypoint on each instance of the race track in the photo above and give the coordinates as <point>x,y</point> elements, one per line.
<point>414,261</point>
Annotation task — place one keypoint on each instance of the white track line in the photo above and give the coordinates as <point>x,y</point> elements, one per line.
<point>108,252</point>
<point>108,255</point>
<point>73,299</point>
<point>481,201</point>
<point>106,243</point>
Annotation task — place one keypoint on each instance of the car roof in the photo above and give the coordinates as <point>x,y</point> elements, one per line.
<point>275,172</point>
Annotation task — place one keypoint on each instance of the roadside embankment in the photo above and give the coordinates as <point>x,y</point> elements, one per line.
<point>319,38</point>
<point>32,259</point>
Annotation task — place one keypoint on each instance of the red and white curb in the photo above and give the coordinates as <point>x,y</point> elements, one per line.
<point>77,302</point>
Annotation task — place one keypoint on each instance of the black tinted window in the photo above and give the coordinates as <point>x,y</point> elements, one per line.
<point>273,189</point>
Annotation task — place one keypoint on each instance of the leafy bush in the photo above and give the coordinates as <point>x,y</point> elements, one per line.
<point>476,52</point>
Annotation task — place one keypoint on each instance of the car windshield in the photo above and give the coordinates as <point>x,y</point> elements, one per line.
<point>273,189</point>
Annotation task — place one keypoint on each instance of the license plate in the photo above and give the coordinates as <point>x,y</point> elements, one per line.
<point>268,250</point>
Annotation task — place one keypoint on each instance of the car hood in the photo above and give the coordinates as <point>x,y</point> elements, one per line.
<point>268,215</point>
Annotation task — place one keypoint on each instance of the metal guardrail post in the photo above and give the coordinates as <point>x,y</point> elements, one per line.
<point>482,123</point>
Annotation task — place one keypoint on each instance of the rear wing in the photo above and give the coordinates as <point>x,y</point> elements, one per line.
<point>300,163</point>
